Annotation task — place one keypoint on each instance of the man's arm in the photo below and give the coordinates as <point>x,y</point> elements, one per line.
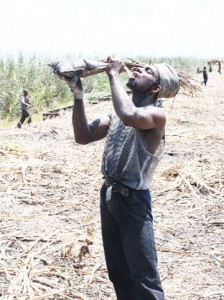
<point>84,132</point>
<point>24,102</point>
<point>125,109</point>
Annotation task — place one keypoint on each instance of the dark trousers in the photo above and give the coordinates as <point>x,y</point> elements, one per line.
<point>128,239</point>
<point>205,81</point>
<point>25,115</point>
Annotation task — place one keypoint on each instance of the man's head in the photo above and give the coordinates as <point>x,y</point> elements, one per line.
<point>159,81</point>
<point>25,92</point>
<point>144,79</point>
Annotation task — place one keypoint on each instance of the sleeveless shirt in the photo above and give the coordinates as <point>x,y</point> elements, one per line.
<point>125,158</point>
<point>22,105</point>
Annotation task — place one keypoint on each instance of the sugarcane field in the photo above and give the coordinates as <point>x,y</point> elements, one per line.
<point>50,237</point>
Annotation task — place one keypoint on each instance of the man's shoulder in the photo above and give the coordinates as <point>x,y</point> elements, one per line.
<point>155,110</point>
<point>157,114</point>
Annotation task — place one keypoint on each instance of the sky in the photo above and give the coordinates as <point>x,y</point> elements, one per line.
<point>155,28</point>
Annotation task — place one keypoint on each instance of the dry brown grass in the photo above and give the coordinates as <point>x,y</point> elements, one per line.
<point>50,238</point>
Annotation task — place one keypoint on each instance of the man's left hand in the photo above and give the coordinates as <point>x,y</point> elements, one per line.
<point>114,66</point>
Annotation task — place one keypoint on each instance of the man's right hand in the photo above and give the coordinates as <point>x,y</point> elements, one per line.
<point>75,85</point>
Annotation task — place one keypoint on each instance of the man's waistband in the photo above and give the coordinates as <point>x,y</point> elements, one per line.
<point>117,187</point>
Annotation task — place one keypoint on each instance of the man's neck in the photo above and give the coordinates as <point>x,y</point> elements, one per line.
<point>142,99</point>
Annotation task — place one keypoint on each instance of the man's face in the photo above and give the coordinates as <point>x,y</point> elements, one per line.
<point>143,79</point>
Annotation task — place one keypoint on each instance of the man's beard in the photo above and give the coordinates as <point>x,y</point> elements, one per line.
<point>131,84</point>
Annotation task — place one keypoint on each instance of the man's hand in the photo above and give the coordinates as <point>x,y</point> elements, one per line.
<point>75,85</point>
<point>114,66</point>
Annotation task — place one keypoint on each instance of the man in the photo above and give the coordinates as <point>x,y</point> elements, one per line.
<point>24,104</point>
<point>135,143</point>
<point>220,67</point>
<point>210,66</point>
<point>205,76</point>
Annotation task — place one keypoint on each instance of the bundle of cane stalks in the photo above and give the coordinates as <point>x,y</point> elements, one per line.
<point>188,85</point>
<point>215,62</point>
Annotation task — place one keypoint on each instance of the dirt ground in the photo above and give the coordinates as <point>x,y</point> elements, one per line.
<point>50,239</point>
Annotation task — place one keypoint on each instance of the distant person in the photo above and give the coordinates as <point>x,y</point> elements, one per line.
<point>220,67</point>
<point>198,70</point>
<point>210,66</point>
<point>205,76</point>
<point>24,104</point>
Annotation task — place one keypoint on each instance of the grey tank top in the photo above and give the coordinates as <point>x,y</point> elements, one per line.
<point>125,158</point>
<point>22,105</point>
